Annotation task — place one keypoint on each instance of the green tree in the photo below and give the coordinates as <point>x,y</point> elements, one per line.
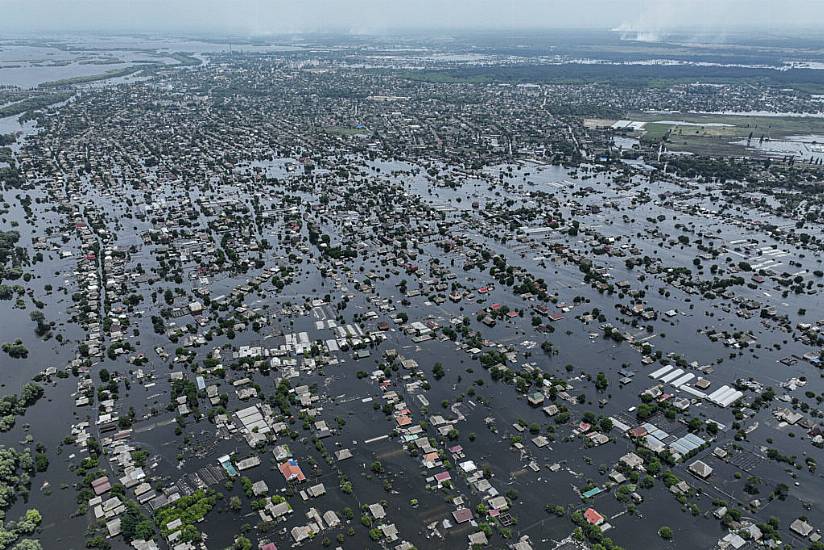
<point>601,381</point>
<point>28,544</point>
<point>242,543</point>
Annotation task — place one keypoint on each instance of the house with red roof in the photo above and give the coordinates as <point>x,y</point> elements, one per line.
<point>442,478</point>
<point>291,470</point>
<point>462,515</point>
<point>430,460</point>
<point>637,432</point>
<point>101,485</point>
<point>593,517</point>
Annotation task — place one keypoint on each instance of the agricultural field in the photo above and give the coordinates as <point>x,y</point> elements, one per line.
<point>716,134</point>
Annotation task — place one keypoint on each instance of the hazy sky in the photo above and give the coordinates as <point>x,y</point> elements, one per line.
<point>375,16</point>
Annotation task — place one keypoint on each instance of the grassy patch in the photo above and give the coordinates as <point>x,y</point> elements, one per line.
<point>93,78</point>
<point>704,136</point>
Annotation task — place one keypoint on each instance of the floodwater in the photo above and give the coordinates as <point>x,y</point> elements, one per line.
<point>577,347</point>
<point>625,142</point>
<point>32,76</point>
<point>807,149</point>
<point>343,392</point>
<point>27,65</point>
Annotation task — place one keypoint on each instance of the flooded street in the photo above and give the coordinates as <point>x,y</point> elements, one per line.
<point>284,292</point>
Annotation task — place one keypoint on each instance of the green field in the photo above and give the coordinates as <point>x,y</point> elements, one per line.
<point>707,138</point>
<point>114,73</point>
<point>33,103</point>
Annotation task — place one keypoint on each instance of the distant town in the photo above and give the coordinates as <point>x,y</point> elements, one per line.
<point>531,291</point>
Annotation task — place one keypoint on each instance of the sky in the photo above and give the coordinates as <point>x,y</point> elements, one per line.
<point>261,17</point>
